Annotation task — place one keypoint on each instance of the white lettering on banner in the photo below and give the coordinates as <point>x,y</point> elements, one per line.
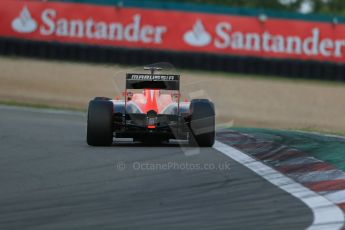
<point>294,45</point>
<point>326,46</point>
<point>222,30</point>
<point>311,46</point>
<point>115,31</point>
<point>49,27</point>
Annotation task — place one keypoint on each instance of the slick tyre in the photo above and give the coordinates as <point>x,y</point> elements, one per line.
<point>100,123</point>
<point>202,123</point>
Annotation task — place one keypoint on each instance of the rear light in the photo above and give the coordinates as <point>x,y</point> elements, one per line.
<point>151,123</point>
<point>151,119</point>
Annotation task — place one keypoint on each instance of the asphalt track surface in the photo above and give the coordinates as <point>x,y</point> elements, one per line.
<point>51,179</point>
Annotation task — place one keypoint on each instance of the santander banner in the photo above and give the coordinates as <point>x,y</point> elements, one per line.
<point>172,30</point>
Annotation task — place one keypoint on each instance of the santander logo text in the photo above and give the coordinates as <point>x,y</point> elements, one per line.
<point>225,37</point>
<point>52,25</point>
<point>164,29</point>
<point>266,42</point>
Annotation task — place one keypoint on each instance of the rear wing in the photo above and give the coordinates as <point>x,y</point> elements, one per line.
<point>152,81</point>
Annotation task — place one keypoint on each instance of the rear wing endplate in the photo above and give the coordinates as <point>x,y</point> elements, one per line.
<point>152,81</point>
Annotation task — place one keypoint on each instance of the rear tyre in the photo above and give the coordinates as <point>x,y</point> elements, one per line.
<point>202,123</point>
<point>100,123</point>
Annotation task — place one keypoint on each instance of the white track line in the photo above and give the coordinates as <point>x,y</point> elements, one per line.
<point>327,215</point>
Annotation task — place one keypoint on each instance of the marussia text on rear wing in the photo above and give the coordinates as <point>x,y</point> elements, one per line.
<point>153,81</point>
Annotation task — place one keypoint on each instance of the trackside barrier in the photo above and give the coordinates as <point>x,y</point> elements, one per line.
<point>203,61</point>
<point>189,36</point>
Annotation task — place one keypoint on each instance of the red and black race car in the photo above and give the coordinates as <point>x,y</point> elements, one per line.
<point>151,112</point>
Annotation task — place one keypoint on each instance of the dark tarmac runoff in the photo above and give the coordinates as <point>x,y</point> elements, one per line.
<point>51,179</point>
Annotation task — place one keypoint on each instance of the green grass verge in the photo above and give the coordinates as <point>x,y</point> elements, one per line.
<point>38,106</point>
<point>320,131</point>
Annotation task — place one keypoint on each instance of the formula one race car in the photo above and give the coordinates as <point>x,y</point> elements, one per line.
<point>151,112</point>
